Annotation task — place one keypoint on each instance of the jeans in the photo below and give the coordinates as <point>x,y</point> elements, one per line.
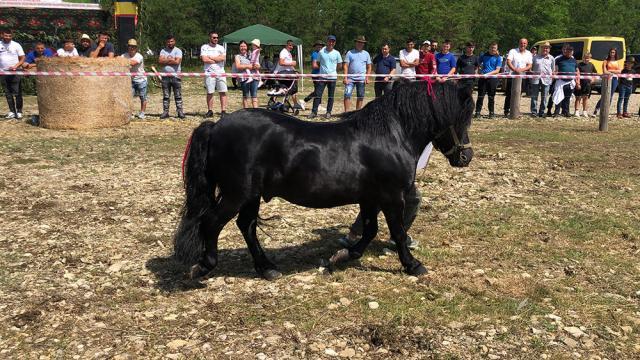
<point>486,86</point>
<point>168,83</point>
<point>623,96</point>
<point>544,94</point>
<point>12,86</point>
<point>312,95</point>
<point>412,202</point>
<point>614,86</point>
<point>331,86</point>
<point>382,87</point>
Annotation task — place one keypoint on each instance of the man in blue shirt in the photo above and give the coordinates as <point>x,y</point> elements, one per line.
<point>38,51</point>
<point>490,64</point>
<point>565,65</point>
<point>103,48</point>
<point>328,60</point>
<point>314,70</point>
<point>385,65</point>
<point>357,68</point>
<point>445,61</point>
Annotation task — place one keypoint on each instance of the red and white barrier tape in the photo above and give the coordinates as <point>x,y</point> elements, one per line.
<point>311,76</point>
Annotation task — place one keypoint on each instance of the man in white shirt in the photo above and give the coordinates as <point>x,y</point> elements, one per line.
<point>68,49</point>
<point>286,65</point>
<point>519,61</point>
<point>213,56</point>
<point>138,82</point>
<point>409,59</point>
<point>11,59</point>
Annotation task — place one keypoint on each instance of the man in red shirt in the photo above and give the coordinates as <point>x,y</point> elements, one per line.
<point>427,63</point>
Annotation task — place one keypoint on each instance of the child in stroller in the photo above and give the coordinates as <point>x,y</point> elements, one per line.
<point>287,87</point>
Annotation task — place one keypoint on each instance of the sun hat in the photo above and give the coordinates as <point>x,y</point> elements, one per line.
<point>132,42</point>
<point>85,36</point>
<point>255,42</point>
<point>360,38</point>
<point>318,42</point>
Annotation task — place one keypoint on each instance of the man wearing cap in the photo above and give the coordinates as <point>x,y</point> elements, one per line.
<point>385,65</point>
<point>103,48</point>
<point>170,59</point>
<point>357,68</point>
<point>543,65</point>
<point>40,50</point>
<point>84,49</point>
<point>427,63</point>
<point>468,64</point>
<point>213,56</point>
<point>328,60</point>
<point>138,82</point>
<point>68,49</point>
<point>11,59</point>
<point>409,59</point>
<point>315,69</point>
<point>519,61</point>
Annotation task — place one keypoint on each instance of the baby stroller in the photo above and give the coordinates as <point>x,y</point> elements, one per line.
<point>279,96</point>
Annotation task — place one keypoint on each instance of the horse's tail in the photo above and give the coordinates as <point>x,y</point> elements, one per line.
<point>200,189</point>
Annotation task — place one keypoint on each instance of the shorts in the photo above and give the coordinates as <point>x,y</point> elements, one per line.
<point>139,89</point>
<point>215,83</point>
<point>250,89</point>
<point>585,89</point>
<point>348,90</point>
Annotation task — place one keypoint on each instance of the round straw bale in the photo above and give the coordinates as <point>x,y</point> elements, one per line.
<point>83,102</point>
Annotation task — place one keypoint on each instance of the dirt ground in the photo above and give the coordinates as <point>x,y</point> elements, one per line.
<point>532,251</point>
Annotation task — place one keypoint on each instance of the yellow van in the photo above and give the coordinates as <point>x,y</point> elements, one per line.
<point>598,46</point>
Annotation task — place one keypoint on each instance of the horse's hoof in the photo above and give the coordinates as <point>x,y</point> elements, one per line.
<point>198,271</point>
<point>417,270</point>
<point>340,256</point>
<point>271,274</point>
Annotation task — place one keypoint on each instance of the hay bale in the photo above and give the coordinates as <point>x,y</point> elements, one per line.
<point>83,102</point>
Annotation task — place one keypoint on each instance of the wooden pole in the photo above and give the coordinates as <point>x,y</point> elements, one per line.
<point>516,87</point>
<point>605,103</point>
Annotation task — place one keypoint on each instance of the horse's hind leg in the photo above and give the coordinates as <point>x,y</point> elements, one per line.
<point>212,223</point>
<point>247,223</point>
<point>394,215</point>
<point>369,214</point>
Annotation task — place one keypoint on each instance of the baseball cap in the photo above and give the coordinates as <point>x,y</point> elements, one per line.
<point>426,42</point>
<point>331,37</point>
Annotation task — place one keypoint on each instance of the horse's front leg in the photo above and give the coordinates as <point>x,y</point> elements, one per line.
<point>247,223</point>
<point>394,216</point>
<point>369,215</point>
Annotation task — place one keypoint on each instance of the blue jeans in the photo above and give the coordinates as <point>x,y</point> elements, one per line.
<point>623,96</point>
<point>250,89</point>
<point>331,87</point>
<point>544,91</point>
<point>614,86</point>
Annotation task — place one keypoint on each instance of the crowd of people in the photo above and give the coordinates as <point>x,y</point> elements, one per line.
<point>357,66</point>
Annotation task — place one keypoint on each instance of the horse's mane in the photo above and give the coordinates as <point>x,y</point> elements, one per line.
<point>410,106</point>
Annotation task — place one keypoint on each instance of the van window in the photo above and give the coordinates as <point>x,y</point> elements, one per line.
<point>578,48</point>
<point>600,49</point>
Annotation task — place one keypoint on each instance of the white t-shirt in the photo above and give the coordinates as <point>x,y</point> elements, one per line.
<point>409,57</point>
<point>139,68</point>
<point>518,59</point>
<point>64,53</point>
<point>216,50</point>
<point>9,54</point>
<point>288,58</point>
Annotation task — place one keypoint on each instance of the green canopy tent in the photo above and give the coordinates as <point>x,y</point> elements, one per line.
<point>266,35</point>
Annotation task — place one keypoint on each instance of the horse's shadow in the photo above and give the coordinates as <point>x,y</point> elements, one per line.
<point>171,275</point>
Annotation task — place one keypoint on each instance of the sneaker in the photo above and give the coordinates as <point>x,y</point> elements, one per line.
<point>476,115</point>
<point>577,113</point>
<point>534,114</point>
<point>10,116</point>
<point>141,115</point>
<point>165,115</point>
<point>260,84</point>
<point>327,115</point>
<point>19,115</point>
<point>413,244</point>
<point>595,112</point>
<point>303,105</point>
<point>541,115</point>
<point>586,114</point>
<point>619,116</point>
<point>346,242</point>
<point>492,115</point>
<point>624,115</point>
<point>209,114</point>
<point>312,116</point>
<point>181,114</point>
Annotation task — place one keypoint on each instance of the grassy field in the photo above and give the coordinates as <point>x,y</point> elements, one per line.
<point>532,250</point>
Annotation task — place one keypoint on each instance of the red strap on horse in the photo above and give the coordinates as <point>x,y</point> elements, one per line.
<point>429,81</point>
<point>184,156</point>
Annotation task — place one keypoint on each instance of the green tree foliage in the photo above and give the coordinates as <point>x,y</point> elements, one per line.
<point>482,21</point>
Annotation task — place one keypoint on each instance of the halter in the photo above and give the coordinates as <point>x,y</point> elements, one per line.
<point>457,144</point>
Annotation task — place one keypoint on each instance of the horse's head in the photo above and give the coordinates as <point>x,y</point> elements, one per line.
<point>455,145</point>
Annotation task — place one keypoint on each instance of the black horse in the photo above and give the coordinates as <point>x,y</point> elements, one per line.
<point>369,158</point>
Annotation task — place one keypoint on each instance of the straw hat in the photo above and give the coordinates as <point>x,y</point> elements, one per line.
<point>545,44</point>
<point>319,42</point>
<point>85,36</point>
<point>361,38</point>
<point>132,42</point>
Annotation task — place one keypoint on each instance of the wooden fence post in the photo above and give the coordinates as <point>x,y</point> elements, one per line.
<point>605,102</point>
<point>516,88</point>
